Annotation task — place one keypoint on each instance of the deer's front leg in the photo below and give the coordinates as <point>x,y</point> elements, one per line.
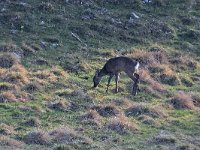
<point>116,81</point>
<point>109,79</point>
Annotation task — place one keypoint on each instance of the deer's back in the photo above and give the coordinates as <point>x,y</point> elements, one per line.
<point>119,64</point>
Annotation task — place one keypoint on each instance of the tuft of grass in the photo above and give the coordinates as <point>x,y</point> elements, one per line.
<point>150,90</point>
<point>33,122</point>
<point>107,111</point>
<point>144,109</point>
<point>121,101</point>
<point>196,99</point>
<point>15,78</point>
<point>122,125</point>
<point>155,85</point>
<point>7,96</point>
<point>148,120</point>
<point>90,118</point>
<point>37,137</point>
<point>148,58</point>
<point>17,74</point>
<point>6,141</point>
<point>7,60</point>
<point>164,138</point>
<point>27,49</point>
<point>4,86</point>
<point>7,129</point>
<point>186,147</point>
<point>184,62</point>
<point>69,136</point>
<point>182,100</point>
<point>32,87</point>
<point>61,106</point>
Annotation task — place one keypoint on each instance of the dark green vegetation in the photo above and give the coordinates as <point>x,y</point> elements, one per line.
<point>49,51</point>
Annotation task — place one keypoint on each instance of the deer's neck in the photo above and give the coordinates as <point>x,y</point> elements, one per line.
<point>103,72</point>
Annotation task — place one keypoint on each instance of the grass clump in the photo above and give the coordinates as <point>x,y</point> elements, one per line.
<point>6,129</point>
<point>148,120</point>
<point>186,147</point>
<point>6,141</point>
<point>122,125</point>
<point>146,77</point>
<point>107,111</point>
<point>121,101</point>
<point>63,135</point>
<point>27,49</point>
<point>4,86</point>
<point>32,87</point>
<point>182,100</point>
<point>91,118</point>
<point>144,109</point>
<point>184,62</point>
<point>15,78</point>
<point>37,137</point>
<point>17,74</point>
<point>165,139</point>
<point>7,96</point>
<point>196,99</point>
<point>33,122</point>
<point>7,60</point>
<point>69,136</point>
<point>61,106</point>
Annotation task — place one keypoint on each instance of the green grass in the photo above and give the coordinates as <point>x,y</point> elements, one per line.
<point>46,27</point>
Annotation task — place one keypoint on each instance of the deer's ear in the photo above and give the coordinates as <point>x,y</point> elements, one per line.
<point>97,71</point>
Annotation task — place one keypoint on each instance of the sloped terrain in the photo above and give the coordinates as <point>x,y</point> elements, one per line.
<point>49,51</point>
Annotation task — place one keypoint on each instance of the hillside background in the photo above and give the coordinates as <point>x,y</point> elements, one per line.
<point>50,49</point>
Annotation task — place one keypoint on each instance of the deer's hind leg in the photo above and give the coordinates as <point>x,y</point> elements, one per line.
<point>135,80</point>
<point>116,82</point>
<point>136,88</point>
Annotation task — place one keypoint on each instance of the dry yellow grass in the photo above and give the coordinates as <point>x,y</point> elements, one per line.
<point>2,71</point>
<point>27,49</point>
<point>182,100</point>
<point>144,109</point>
<point>148,58</point>
<point>59,72</point>
<point>145,76</point>
<point>46,75</point>
<point>91,118</point>
<point>37,137</point>
<point>107,110</point>
<point>7,96</point>
<point>122,101</point>
<point>165,69</point>
<point>34,122</point>
<point>61,105</point>
<point>19,68</point>
<point>122,125</point>
<point>17,74</point>
<point>6,141</point>
<point>7,60</point>
<point>183,62</point>
<point>7,129</point>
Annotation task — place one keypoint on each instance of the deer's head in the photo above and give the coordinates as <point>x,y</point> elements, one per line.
<point>96,78</point>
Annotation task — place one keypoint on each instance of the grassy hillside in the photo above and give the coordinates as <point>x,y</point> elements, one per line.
<point>49,51</point>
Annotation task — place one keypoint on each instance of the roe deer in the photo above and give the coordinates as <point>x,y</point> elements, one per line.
<point>116,65</point>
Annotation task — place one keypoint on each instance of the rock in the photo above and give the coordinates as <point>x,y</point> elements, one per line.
<point>88,14</point>
<point>133,15</point>
<point>147,1</point>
